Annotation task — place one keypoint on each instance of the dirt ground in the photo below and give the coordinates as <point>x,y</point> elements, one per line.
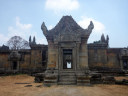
<point>15,86</point>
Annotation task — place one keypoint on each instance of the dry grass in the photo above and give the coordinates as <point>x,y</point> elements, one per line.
<point>9,88</point>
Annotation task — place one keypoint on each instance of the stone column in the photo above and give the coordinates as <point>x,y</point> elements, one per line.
<point>51,74</point>
<point>51,55</point>
<point>77,58</point>
<point>83,55</point>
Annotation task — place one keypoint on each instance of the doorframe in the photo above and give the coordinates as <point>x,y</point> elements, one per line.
<point>17,67</point>
<point>126,63</point>
<point>74,55</point>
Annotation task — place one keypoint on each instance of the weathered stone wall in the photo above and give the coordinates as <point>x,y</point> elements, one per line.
<point>104,58</point>
<point>97,58</point>
<point>31,60</point>
<point>113,58</point>
<point>4,63</point>
<point>38,57</point>
<point>24,64</point>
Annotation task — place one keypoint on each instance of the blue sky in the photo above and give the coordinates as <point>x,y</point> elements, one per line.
<point>24,18</point>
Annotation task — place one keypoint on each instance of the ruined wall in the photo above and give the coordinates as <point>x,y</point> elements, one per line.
<point>30,60</point>
<point>104,58</point>
<point>38,57</point>
<point>24,63</point>
<point>4,63</point>
<point>113,58</point>
<point>97,58</point>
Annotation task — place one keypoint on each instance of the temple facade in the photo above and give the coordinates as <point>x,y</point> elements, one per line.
<point>68,58</point>
<point>67,51</point>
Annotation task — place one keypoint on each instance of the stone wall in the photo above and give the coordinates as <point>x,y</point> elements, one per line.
<point>4,63</point>
<point>104,59</point>
<point>36,59</point>
<point>24,63</point>
<point>113,58</point>
<point>31,60</point>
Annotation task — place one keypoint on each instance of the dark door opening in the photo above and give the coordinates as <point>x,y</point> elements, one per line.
<point>44,58</point>
<point>125,64</point>
<point>14,65</point>
<point>67,59</point>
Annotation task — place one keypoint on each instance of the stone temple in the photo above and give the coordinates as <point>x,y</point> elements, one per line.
<point>68,58</point>
<point>67,52</point>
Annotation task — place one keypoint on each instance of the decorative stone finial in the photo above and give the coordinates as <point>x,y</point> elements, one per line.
<point>90,27</point>
<point>103,38</point>
<point>34,40</point>
<point>29,39</point>
<point>44,29</point>
<point>107,39</point>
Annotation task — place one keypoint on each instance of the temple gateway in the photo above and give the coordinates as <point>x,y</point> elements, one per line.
<point>68,58</point>
<point>67,52</point>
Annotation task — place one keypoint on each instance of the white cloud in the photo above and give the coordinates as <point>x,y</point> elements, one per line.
<point>61,5</point>
<point>23,30</point>
<point>3,39</point>
<point>98,26</point>
<point>50,27</point>
<point>98,30</point>
<point>22,26</point>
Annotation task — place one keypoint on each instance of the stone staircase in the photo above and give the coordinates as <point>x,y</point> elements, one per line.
<point>67,78</point>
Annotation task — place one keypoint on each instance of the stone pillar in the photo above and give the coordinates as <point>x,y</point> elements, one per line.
<point>52,55</point>
<point>77,54</point>
<point>51,74</point>
<point>83,55</point>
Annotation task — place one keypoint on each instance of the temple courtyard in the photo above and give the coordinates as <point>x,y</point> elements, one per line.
<point>23,85</point>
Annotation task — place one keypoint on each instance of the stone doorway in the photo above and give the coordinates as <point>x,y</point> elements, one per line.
<point>125,64</point>
<point>14,66</point>
<point>67,59</point>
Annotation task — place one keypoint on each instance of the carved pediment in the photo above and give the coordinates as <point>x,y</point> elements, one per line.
<point>66,26</point>
<point>124,52</point>
<point>67,30</point>
<point>14,55</point>
<point>67,38</point>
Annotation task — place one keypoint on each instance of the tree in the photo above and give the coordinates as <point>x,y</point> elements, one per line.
<point>16,43</point>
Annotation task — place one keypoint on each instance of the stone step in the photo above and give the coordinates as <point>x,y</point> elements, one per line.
<point>67,74</point>
<point>68,77</point>
<point>66,83</point>
<point>67,80</point>
<point>68,71</point>
<point>50,80</point>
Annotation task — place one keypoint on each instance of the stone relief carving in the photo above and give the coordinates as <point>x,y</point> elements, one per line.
<point>14,55</point>
<point>124,52</point>
<point>67,30</point>
<point>66,37</point>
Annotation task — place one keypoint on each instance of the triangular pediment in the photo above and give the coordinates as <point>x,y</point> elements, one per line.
<point>66,25</point>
